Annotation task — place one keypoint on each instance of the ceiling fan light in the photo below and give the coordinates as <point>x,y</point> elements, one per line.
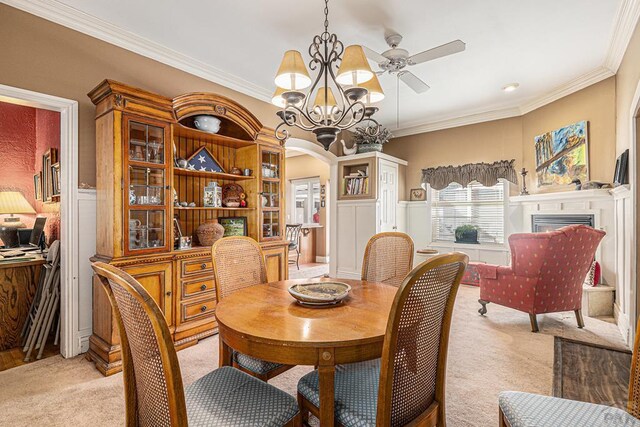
<point>354,68</point>
<point>375,92</point>
<point>292,74</point>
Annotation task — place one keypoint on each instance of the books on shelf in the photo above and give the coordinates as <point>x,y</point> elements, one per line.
<point>356,184</point>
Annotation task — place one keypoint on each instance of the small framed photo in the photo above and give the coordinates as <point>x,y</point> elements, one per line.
<point>37,185</point>
<point>621,176</point>
<point>418,195</point>
<point>234,226</point>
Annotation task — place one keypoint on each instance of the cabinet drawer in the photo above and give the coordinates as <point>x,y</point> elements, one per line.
<point>197,309</point>
<point>195,287</point>
<point>196,266</point>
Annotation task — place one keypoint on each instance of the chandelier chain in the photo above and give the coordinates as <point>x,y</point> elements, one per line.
<point>326,16</point>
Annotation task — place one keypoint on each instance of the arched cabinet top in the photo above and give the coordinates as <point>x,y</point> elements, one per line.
<point>236,120</point>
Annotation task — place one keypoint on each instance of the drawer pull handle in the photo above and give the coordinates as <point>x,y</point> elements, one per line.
<point>203,308</point>
<point>203,287</point>
<point>203,266</point>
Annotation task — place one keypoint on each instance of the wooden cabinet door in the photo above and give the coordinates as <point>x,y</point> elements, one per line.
<point>156,279</point>
<point>271,220</point>
<point>277,264</point>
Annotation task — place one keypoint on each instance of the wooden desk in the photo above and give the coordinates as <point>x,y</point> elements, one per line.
<point>18,283</point>
<point>264,321</point>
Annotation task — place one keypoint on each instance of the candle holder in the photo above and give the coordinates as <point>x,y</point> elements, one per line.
<point>524,191</point>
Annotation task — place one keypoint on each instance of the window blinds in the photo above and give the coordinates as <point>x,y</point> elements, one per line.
<point>476,205</point>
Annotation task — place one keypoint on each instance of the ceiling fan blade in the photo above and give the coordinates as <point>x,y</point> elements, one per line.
<point>437,52</point>
<point>413,81</point>
<point>374,56</point>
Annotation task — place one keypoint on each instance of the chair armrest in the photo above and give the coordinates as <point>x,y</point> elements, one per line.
<point>490,271</point>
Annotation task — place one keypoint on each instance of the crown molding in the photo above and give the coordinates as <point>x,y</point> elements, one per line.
<point>413,128</point>
<point>74,19</point>
<point>568,88</point>
<point>625,25</point>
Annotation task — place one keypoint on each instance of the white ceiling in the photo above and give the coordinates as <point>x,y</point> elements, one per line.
<point>544,45</point>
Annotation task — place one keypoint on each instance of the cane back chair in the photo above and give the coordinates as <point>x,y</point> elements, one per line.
<point>238,263</point>
<point>407,385</point>
<point>153,386</point>
<point>519,409</point>
<point>388,258</point>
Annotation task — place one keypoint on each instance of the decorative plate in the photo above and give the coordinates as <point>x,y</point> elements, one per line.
<point>319,293</point>
<point>231,195</point>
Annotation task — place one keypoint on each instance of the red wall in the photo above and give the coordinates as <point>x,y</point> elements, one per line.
<point>25,134</point>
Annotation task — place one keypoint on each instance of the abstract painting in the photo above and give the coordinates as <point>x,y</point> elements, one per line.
<point>562,155</point>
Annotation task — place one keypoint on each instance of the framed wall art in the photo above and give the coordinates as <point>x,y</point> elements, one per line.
<point>562,155</point>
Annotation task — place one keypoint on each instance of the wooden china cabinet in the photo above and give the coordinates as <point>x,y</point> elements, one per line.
<point>139,136</point>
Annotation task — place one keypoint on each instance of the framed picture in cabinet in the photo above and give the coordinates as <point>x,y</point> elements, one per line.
<point>234,226</point>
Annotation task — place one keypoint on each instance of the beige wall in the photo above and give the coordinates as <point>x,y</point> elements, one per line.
<point>305,166</point>
<point>41,56</point>
<point>513,138</point>
<point>627,81</point>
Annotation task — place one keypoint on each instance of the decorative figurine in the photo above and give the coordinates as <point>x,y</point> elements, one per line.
<point>524,191</point>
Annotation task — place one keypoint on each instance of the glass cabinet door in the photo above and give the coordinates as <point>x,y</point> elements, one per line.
<point>271,224</point>
<point>271,188</point>
<point>146,143</point>
<point>146,186</point>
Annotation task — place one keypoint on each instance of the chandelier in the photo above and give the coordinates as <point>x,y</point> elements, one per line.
<point>340,96</point>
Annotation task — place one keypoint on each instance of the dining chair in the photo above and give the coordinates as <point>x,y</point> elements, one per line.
<point>153,387</point>
<point>293,237</point>
<point>518,409</point>
<point>238,263</point>
<point>407,384</point>
<point>388,258</point>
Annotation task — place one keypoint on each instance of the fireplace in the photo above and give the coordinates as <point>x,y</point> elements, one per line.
<point>541,223</point>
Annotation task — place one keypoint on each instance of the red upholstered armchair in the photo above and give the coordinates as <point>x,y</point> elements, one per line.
<point>546,274</point>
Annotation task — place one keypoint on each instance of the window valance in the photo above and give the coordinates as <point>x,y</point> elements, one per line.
<point>486,174</point>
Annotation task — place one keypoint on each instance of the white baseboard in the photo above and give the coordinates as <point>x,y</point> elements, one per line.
<point>347,274</point>
<point>322,259</point>
<point>623,323</point>
<point>83,340</point>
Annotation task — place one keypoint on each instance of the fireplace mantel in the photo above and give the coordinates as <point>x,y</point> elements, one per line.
<point>564,196</point>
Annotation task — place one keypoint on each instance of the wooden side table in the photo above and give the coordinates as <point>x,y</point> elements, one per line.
<point>18,284</point>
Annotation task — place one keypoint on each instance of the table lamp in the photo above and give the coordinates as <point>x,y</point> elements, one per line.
<point>12,202</point>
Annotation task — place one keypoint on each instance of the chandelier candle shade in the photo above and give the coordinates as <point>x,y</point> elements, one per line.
<point>336,99</point>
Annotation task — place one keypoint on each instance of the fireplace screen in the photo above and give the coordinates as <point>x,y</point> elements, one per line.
<point>543,223</point>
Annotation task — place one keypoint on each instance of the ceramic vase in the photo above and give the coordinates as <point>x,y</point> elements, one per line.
<point>368,148</point>
<point>209,232</point>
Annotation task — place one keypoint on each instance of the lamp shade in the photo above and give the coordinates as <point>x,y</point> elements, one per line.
<point>292,74</point>
<point>13,202</point>
<point>320,100</point>
<point>374,90</point>
<point>277,99</point>
<point>354,68</point>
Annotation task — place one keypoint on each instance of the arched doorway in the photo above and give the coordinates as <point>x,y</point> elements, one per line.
<point>320,173</point>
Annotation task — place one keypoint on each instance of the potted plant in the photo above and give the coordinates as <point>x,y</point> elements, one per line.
<point>367,143</point>
<point>467,234</point>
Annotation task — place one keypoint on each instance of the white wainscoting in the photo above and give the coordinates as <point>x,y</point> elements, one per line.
<point>85,248</point>
<point>624,239</point>
<point>356,224</point>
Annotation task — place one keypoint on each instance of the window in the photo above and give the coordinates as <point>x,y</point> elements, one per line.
<point>306,200</point>
<point>476,205</point>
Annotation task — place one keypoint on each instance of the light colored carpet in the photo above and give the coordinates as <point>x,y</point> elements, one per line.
<point>486,355</point>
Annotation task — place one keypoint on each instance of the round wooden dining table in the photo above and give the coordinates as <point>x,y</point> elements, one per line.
<point>264,321</point>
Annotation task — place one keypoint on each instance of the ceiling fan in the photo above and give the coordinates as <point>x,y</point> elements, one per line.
<point>396,59</point>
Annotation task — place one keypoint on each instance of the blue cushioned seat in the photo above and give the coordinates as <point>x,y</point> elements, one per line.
<point>534,410</point>
<point>229,397</point>
<point>356,392</point>
<point>252,364</point>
